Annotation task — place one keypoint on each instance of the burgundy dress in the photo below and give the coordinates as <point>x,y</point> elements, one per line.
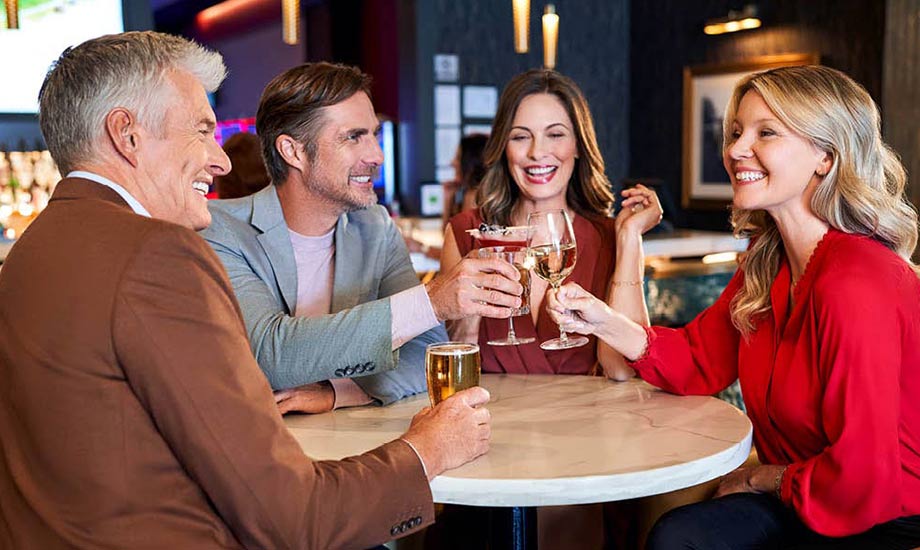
<point>595,243</point>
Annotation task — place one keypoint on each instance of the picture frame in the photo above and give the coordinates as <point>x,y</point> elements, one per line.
<point>707,90</point>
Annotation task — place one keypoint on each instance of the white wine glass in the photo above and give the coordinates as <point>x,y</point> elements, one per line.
<point>552,247</point>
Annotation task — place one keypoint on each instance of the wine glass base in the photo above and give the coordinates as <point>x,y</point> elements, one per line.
<point>512,341</point>
<point>559,343</point>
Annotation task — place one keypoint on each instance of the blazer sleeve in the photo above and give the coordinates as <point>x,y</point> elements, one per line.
<point>409,378</point>
<point>700,358</point>
<point>182,345</point>
<point>293,351</point>
<point>855,482</point>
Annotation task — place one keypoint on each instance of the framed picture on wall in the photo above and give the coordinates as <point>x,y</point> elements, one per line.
<point>707,89</point>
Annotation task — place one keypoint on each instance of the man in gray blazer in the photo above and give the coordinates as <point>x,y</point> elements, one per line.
<point>331,302</point>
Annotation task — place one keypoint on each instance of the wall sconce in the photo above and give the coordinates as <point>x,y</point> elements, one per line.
<point>521,12</point>
<point>550,36</point>
<point>12,13</point>
<point>735,21</point>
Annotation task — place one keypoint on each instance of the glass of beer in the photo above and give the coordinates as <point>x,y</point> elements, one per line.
<point>522,261</point>
<point>451,367</point>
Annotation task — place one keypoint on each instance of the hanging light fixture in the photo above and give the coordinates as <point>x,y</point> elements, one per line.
<point>550,36</point>
<point>742,20</point>
<point>521,12</point>
<point>290,21</point>
<point>12,13</point>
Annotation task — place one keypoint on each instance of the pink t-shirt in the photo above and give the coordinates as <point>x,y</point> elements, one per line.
<point>411,311</point>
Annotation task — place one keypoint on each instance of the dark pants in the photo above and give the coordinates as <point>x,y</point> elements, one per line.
<point>755,521</point>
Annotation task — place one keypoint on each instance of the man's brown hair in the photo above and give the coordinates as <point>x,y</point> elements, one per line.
<point>293,103</point>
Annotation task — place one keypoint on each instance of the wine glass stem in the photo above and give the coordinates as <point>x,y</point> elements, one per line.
<point>511,334</point>
<point>562,335</point>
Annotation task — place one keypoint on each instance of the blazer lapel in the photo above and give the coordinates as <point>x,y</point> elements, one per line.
<point>275,240</point>
<point>349,266</point>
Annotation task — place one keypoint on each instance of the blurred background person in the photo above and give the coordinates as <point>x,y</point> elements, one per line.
<point>248,174</point>
<point>821,322</point>
<point>469,167</point>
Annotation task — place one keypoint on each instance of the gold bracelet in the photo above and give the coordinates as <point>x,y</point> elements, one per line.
<point>627,283</point>
<point>778,483</point>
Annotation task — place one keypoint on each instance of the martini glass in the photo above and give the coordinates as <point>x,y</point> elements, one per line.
<point>521,260</point>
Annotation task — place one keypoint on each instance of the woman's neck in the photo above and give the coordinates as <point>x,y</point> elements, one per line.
<point>800,238</point>
<point>523,207</point>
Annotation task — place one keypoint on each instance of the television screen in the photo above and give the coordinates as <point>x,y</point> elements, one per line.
<point>385,184</point>
<point>46,28</point>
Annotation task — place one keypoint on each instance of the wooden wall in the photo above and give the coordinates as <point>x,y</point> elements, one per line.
<point>901,86</point>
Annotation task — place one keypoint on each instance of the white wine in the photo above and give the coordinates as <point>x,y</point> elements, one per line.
<point>553,264</point>
<point>451,367</point>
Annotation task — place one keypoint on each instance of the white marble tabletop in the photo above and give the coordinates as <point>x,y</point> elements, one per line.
<point>560,440</point>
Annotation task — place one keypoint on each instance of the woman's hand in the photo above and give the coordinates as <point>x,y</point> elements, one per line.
<point>752,479</point>
<point>640,210</point>
<point>576,309</point>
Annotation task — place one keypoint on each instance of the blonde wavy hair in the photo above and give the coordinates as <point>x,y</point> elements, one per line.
<point>863,193</point>
<point>588,192</point>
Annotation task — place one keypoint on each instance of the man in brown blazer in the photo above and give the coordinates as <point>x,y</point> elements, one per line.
<point>132,413</point>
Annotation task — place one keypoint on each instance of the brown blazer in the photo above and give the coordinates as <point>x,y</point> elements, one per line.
<point>133,415</point>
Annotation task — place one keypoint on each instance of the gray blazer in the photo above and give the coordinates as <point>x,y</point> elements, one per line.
<point>251,238</point>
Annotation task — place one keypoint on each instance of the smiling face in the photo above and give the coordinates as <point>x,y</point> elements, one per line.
<point>178,163</point>
<point>348,155</point>
<point>771,167</point>
<point>542,149</point>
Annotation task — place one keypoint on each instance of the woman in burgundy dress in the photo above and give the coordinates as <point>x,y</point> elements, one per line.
<point>821,324</point>
<point>543,155</point>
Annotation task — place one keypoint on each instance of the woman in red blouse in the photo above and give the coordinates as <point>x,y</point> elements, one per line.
<point>543,155</point>
<point>821,324</point>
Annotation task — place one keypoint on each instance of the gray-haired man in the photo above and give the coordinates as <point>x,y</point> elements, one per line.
<point>132,413</point>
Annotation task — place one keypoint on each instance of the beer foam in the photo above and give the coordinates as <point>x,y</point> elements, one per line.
<point>457,348</point>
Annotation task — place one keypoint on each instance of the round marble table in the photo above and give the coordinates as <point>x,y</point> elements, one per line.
<point>560,440</point>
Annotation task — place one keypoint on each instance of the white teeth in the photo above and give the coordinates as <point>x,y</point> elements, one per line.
<point>201,187</point>
<point>749,175</point>
<point>540,171</point>
<point>361,179</point>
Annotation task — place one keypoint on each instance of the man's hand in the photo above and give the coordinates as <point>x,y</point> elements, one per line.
<point>476,287</point>
<point>313,398</point>
<point>453,433</point>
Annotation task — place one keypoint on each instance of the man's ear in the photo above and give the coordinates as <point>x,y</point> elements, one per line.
<point>122,128</point>
<point>292,152</point>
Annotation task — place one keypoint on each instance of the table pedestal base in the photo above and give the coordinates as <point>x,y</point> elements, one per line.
<point>513,528</point>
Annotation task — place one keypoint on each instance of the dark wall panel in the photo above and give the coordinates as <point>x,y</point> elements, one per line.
<point>253,58</point>
<point>902,87</point>
<point>667,35</point>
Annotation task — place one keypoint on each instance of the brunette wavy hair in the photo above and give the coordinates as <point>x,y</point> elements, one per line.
<point>588,193</point>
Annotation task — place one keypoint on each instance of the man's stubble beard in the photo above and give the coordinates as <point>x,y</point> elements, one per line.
<point>338,196</point>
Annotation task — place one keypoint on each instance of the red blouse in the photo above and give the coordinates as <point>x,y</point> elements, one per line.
<point>831,385</point>
<point>595,244</point>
